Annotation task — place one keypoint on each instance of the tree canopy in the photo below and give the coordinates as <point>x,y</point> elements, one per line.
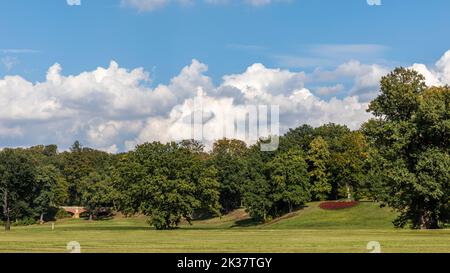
<point>410,132</point>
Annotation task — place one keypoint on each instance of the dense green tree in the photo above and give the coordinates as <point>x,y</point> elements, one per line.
<point>228,159</point>
<point>17,178</point>
<point>77,164</point>
<point>207,188</point>
<point>50,187</point>
<point>288,173</point>
<point>298,138</point>
<point>97,193</point>
<point>257,189</point>
<point>350,162</point>
<point>433,118</point>
<point>411,135</point>
<point>167,182</point>
<point>332,133</point>
<point>171,200</point>
<point>399,97</point>
<point>192,145</point>
<point>302,136</point>
<point>51,190</point>
<point>318,158</point>
<point>127,178</point>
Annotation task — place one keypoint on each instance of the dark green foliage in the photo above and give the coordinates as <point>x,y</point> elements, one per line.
<point>289,179</point>
<point>399,98</point>
<point>17,179</point>
<point>257,190</point>
<point>228,157</point>
<point>97,194</point>
<point>276,187</point>
<point>409,163</point>
<point>50,190</point>
<point>298,138</point>
<point>80,163</point>
<point>332,134</point>
<point>166,182</point>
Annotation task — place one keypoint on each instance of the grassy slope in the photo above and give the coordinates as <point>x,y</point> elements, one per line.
<point>366,215</point>
<point>309,230</point>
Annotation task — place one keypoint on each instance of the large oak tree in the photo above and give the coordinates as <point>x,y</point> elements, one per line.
<point>411,162</point>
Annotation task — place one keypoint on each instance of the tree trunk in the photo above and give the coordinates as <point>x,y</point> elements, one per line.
<point>7,224</point>
<point>349,195</point>
<point>41,219</point>
<point>427,220</point>
<point>6,210</point>
<point>114,206</point>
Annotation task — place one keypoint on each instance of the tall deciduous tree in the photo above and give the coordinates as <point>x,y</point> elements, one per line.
<point>77,164</point>
<point>257,189</point>
<point>298,138</point>
<point>97,193</point>
<point>350,161</point>
<point>17,176</point>
<point>411,134</point>
<point>333,134</point>
<point>318,157</point>
<point>289,179</point>
<point>228,159</point>
<point>166,182</point>
<point>50,188</point>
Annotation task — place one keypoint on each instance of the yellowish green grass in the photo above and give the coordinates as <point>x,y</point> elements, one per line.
<point>308,230</point>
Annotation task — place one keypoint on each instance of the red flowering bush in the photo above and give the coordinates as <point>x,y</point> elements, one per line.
<point>331,205</point>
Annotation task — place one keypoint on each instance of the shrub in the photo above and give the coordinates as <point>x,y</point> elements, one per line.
<point>25,222</point>
<point>61,214</point>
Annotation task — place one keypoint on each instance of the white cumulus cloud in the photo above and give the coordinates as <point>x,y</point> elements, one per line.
<point>113,108</point>
<point>437,75</point>
<point>73,2</point>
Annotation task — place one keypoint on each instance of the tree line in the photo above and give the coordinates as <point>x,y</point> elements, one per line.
<point>399,158</point>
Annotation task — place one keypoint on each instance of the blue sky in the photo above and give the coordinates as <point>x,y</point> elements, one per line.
<point>116,73</point>
<point>227,37</point>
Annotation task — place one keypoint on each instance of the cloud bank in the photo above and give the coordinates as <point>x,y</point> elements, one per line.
<point>113,108</point>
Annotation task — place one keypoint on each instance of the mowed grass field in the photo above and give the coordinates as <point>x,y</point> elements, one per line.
<point>308,230</point>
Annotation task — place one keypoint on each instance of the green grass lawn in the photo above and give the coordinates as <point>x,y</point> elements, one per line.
<point>367,215</point>
<point>308,230</point>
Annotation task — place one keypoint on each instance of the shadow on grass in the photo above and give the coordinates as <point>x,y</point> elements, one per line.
<point>250,222</point>
<point>97,225</point>
<point>243,223</point>
<point>104,228</point>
